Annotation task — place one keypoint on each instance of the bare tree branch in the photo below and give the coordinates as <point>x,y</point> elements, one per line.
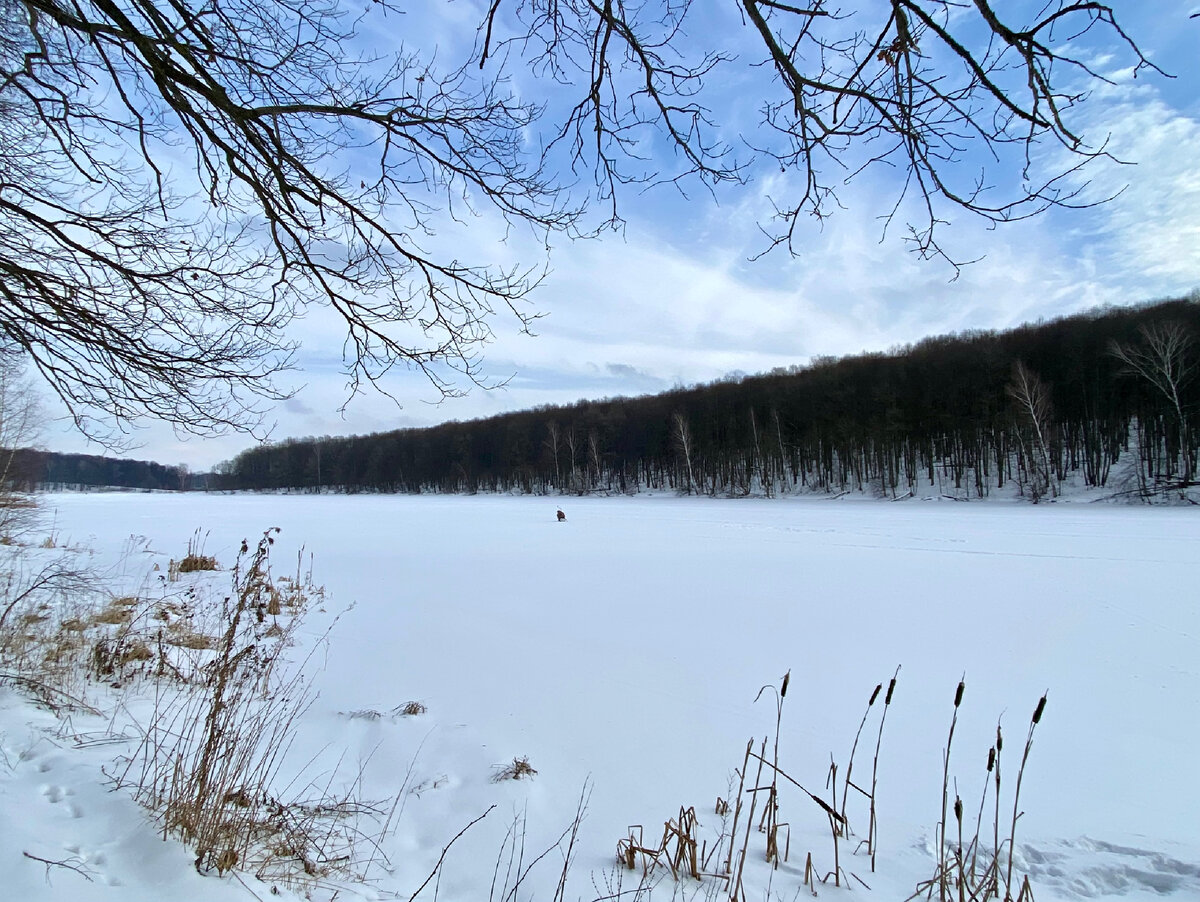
<point>318,176</point>
<point>958,97</point>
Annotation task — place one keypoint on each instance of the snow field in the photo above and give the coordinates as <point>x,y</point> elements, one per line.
<point>622,651</point>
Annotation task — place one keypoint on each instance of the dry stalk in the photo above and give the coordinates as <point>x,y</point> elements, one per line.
<point>996,819</point>
<point>737,808</point>
<point>943,883</point>
<point>1033,722</point>
<point>209,757</point>
<point>873,826</point>
<point>736,885</point>
<point>854,747</point>
<point>517,769</point>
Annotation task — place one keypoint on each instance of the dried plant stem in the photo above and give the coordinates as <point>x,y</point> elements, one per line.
<point>854,747</point>
<point>60,864</point>
<point>943,881</point>
<point>585,795</point>
<point>996,819</point>
<point>446,849</point>
<point>1033,722</point>
<point>737,808</point>
<point>736,885</point>
<point>873,826</point>
<point>991,764</point>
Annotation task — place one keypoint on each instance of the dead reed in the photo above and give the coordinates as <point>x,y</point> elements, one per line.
<point>195,561</point>
<point>517,769</point>
<point>959,872</point>
<point>966,867</point>
<point>209,759</point>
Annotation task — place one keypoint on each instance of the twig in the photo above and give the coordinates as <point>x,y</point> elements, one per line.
<point>44,690</point>
<point>60,864</point>
<point>445,849</point>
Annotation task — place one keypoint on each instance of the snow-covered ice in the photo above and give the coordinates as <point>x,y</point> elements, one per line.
<point>622,651</point>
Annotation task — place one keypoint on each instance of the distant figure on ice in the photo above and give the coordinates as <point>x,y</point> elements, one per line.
<point>561,516</point>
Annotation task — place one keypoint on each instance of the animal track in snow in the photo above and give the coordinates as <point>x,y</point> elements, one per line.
<point>55,794</point>
<point>1090,868</point>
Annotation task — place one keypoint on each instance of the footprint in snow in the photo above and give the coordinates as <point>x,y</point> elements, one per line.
<point>1092,868</point>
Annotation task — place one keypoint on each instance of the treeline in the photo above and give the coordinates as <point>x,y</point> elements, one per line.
<point>27,470</point>
<point>966,414</point>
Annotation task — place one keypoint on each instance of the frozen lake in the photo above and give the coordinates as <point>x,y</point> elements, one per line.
<point>626,646</point>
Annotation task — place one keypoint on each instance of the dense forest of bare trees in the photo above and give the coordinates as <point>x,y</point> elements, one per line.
<point>965,415</point>
<point>31,470</point>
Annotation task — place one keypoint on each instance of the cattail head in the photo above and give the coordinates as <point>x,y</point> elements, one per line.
<point>887,699</point>
<point>958,809</point>
<point>1041,706</point>
<point>999,740</point>
<point>991,758</point>
<point>783,689</point>
<point>959,693</point>
<point>875,694</point>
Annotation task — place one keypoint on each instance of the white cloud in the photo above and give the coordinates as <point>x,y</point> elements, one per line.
<point>1148,235</point>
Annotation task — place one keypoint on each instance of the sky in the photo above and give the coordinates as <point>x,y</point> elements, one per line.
<point>677,298</point>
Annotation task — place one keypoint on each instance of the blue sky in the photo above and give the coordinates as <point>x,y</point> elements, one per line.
<point>675,299</point>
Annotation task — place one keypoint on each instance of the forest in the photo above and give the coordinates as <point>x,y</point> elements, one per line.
<point>965,415</point>
<point>26,470</point>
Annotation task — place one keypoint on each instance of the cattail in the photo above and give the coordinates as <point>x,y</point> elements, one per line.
<point>991,759</point>
<point>887,699</point>
<point>875,694</point>
<point>958,810</point>
<point>783,689</point>
<point>959,693</point>
<point>1041,706</point>
<point>999,740</point>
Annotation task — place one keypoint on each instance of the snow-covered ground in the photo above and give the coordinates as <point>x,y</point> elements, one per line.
<point>622,652</point>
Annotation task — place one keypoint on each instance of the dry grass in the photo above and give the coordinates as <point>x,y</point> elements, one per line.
<point>181,635</point>
<point>114,615</point>
<point>225,705</point>
<point>408,709</point>
<point>195,561</point>
<point>517,769</point>
<point>207,766</point>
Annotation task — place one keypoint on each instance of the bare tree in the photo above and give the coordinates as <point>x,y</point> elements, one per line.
<point>682,434</point>
<point>1164,359</point>
<point>595,465</point>
<point>572,480</point>
<point>954,95</point>
<point>20,428</point>
<point>179,179</point>
<point>553,440</point>
<point>1035,413</point>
